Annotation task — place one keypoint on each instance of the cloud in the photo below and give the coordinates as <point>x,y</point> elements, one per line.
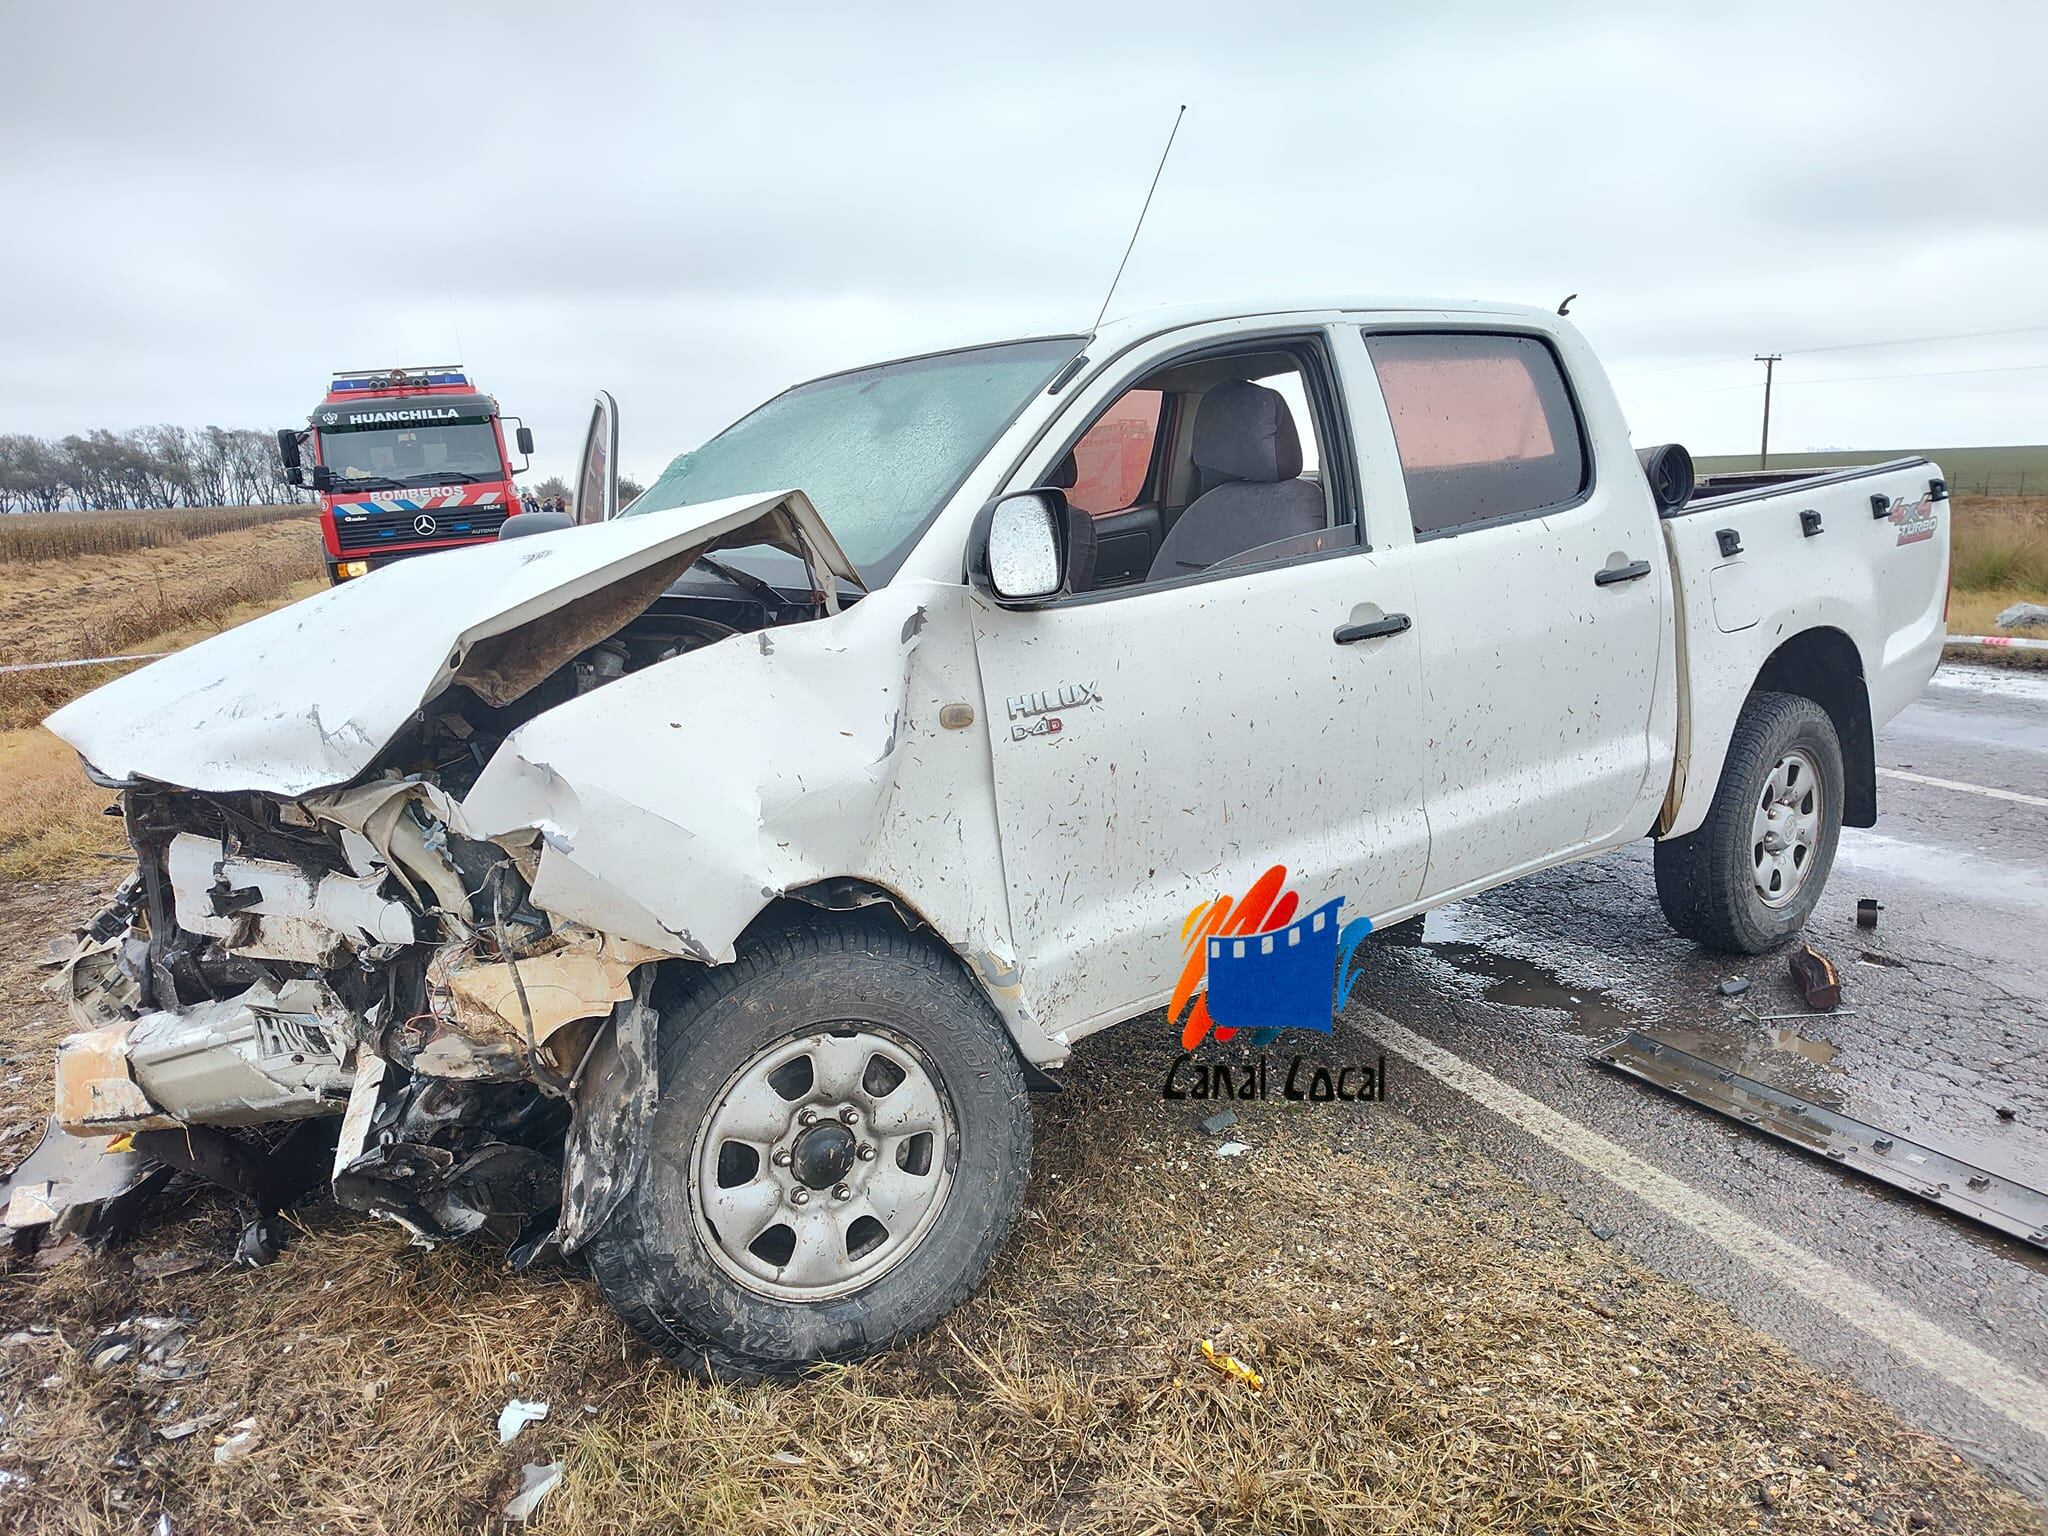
<point>211,208</point>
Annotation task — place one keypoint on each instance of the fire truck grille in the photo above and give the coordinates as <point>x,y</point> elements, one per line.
<point>357,532</point>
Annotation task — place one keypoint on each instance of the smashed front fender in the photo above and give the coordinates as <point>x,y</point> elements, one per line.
<point>674,803</point>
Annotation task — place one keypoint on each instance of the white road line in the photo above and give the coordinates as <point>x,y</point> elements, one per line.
<point>1958,1362</point>
<point>1968,789</point>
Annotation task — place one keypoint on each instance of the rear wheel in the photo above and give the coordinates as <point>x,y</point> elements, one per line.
<point>840,1146</point>
<point>1748,878</point>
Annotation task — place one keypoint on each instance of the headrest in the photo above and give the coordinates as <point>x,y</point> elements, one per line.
<point>1245,431</point>
<point>1065,473</point>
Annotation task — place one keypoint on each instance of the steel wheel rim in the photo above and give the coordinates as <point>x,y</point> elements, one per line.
<point>752,1163</point>
<point>1784,829</point>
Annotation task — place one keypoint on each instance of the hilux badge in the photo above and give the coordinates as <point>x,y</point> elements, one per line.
<point>1026,709</point>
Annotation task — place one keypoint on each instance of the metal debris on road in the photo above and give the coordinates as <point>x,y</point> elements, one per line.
<point>1219,1122</point>
<point>1867,908</point>
<point>2001,1203</point>
<point>1814,974</point>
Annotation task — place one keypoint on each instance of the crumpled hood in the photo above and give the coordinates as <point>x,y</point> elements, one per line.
<point>306,697</point>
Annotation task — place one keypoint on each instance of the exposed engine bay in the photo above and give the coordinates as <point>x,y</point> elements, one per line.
<point>342,986</point>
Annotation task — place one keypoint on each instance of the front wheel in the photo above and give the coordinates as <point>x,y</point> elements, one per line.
<point>840,1146</point>
<point>1749,877</point>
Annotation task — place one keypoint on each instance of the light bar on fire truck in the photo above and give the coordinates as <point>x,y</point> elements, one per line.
<point>428,376</point>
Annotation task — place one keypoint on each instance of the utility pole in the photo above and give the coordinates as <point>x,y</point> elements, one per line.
<point>1770,360</point>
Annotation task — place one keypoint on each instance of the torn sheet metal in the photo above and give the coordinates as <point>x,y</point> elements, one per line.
<point>263,1055</point>
<point>272,911</point>
<point>74,1184</point>
<point>604,1151</point>
<point>1978,1193</point>
<point>480,1025</point>
<point>791,790</point>
<point>306,697</point>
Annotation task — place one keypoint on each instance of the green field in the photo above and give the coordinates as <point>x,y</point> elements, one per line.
<point>2015,471</point>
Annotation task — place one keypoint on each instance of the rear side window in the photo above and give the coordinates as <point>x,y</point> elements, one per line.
<point>1111,460</point>
<point>1485,426</point>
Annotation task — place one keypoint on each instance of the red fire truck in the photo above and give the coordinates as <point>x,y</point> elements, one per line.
<point>405,461</point>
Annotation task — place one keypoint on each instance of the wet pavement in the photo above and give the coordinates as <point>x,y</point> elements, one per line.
<point>1942,1027</point>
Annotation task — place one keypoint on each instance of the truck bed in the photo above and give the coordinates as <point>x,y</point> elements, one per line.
<point>1851,560</point>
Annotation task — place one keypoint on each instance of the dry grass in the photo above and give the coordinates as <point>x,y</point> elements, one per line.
<point>51,824</point>
<point>2001,543</point>
<point>141,600</point>
<point>39,536</point>
<point>1444,1351</point>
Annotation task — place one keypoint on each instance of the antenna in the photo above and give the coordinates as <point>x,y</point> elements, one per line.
<point>1183,112</point>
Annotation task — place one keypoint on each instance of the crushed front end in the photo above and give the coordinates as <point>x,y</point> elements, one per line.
<point>343,959</point>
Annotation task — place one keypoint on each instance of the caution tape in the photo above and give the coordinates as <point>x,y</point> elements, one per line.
<point>87,661</point>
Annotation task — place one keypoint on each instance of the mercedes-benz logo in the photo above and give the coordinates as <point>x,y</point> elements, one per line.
<point>424,525</point>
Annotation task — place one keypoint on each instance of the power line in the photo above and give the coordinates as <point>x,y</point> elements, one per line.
<point>1860,378</point>
<point>1846,346</point>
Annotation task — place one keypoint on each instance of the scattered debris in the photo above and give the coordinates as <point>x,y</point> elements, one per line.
<point>536,1481</point>
<point>1814,974</point>
<point>155,1344</point>
<point>1867,908</point>
<point>244,1439</point>
<point>2006,1112</point>
<point>1232,1149</point>
<point>787,1458</point>
<point>1734,986</point>
<point>1219,1122</point>
<point>516,1415</point>
<point>2001,1203</point>
<point>1602,1231</point>
<point>161,1266</point>
<point>1232,1367</point>
<point>1872,957</point>
<point>2023,616</point>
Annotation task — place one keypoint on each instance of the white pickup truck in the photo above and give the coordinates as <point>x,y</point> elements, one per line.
<point>704,888</point>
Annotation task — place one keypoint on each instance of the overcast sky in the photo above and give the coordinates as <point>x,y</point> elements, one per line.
<point>205,209</point>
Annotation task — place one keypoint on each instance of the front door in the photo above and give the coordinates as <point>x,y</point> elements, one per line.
<point>1162,746</point>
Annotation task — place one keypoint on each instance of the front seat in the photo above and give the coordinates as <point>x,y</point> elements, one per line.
<point>1245,438</point>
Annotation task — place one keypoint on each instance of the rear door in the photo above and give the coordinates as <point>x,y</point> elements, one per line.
<point>1541,594</point>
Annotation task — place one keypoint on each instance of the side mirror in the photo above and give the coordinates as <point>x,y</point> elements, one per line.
<point>288,452</point>
<point>323,478</point>
<point>520,524</point>
<point>1021,547</point>
<point>525,440</point>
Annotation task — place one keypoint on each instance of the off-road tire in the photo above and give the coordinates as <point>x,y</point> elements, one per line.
<point>1705,879</point>
<point>651,1261</point>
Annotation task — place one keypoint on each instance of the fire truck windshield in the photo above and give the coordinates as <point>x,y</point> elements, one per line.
<point>441,454</point>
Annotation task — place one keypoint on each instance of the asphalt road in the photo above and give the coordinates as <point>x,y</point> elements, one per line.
<point>1944,1319</point>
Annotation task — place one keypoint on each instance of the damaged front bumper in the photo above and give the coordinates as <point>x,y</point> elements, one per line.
<point>346,958</point>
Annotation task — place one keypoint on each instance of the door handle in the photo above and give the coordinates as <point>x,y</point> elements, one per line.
<point>1351,634</point>
<point>1634,571</point>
